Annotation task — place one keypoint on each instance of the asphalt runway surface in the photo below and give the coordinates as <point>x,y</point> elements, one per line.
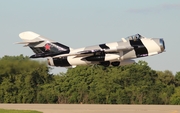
<point>94,108</point>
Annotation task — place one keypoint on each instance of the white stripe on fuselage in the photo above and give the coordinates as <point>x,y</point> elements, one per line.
<point>112,45</point>
<point>73,60</point>
<point>76,60</point>
<point>151,45</point>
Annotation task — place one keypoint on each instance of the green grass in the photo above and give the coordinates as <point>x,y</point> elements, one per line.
<point>18,111</point>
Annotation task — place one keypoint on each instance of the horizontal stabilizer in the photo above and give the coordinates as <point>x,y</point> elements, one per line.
<point>28,35</point>
<point>27,42</point>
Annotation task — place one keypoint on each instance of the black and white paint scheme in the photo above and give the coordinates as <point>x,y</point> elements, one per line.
<point>114,54</point>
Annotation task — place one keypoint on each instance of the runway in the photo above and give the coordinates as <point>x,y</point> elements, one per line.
<point>94,108</point>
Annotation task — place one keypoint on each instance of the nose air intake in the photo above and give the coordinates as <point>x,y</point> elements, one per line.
<point>162,44</point>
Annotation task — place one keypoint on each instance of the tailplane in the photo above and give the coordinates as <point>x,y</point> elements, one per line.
<point>42,47</point>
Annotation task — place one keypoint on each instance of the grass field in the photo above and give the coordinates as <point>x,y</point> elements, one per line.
<point>18,111</point>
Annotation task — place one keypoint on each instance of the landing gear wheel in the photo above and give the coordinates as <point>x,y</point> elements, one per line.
<point>115,63</point>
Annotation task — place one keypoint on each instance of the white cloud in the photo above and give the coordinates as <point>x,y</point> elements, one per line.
<point>156,9</point>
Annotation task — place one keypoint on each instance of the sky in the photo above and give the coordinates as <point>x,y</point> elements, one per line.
<point>79,23</point>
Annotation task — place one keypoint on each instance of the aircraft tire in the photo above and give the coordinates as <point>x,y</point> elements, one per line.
<point>117,63</point>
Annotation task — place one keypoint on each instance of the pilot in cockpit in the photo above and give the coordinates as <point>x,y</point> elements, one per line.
<point>136,37</point>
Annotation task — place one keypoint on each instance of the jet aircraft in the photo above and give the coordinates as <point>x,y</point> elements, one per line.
<point>106,54</point>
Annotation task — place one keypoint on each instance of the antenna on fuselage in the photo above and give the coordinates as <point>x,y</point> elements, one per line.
<point>124,40</point>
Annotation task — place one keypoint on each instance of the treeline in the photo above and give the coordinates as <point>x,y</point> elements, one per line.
<point>23,80</point>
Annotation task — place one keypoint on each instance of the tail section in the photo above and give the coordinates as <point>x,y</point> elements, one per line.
<point>41,46</point>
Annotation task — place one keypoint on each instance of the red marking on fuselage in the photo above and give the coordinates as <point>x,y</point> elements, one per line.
<point>47,47</point>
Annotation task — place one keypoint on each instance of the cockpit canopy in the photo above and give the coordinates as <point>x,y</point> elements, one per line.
<point>134,37</point>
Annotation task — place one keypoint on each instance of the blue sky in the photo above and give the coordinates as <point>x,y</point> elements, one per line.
<point>79,23</point>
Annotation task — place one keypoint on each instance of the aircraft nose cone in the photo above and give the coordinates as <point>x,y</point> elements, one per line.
<point>162,44</point>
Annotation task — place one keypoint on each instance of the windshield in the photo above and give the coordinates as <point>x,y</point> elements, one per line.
<point>134,37</point>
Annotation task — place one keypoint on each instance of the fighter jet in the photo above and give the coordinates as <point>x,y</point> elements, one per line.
<point>107,54</point>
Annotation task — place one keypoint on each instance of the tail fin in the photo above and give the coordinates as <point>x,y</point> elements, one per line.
<point>41,46</point>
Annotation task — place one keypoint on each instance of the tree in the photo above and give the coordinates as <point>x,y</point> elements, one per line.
<point>175,98</point>
<point>23,80</point>
<point>20,78</point>
<point>177,79</point>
